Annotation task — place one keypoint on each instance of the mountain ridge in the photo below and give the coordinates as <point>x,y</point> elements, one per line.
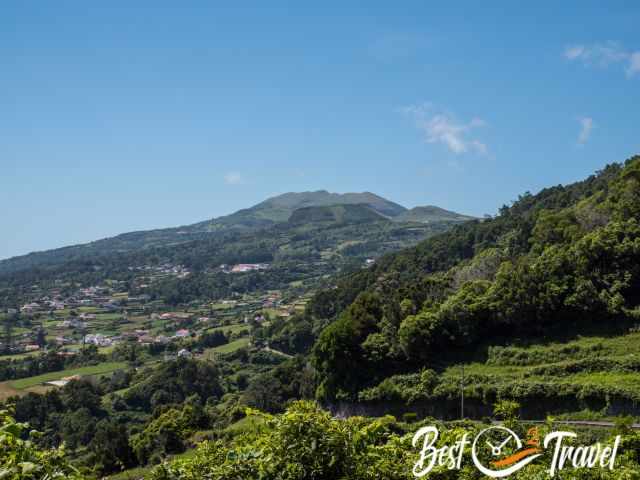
<point>279,208</point>
<point>431,213</point>
<point>341,213</point>
<point>272,211</point>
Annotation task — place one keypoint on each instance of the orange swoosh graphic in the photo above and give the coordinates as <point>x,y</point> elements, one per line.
<point>511,459</point>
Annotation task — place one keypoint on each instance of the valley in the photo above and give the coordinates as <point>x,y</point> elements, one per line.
<point>319,240</point>
<point>108,319</point>
<point>168,349</point>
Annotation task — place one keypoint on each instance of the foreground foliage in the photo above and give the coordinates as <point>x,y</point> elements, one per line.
<point>305,443</point>
<point>21,460</point>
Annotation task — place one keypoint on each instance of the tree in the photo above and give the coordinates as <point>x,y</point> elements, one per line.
<point>110,447</point>
<point>161,436</point>
<point>77,428</point>
<point>79,394</point>
<point>8,334</point>
<point>264,393</point>
<point>340,344</point>
<point>41,338</point>
<point>212,339</point>
<point>178,379</point>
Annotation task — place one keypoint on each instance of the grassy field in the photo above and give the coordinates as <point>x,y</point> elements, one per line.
<point>222,306</point>
<point>20,330</point>
<point>87,309</point>
<point>17,356</point>
<point>245,425</point>
<point>587,363</point>
<point>140,472</point>
<point>230,328</point>
<point>514,361</point>
<point>102,368</point>
<point>6,390</point>
<point>133,474</point>
<point>227,348</point>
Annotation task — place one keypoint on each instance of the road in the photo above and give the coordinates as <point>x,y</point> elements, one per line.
<point>578,423</point>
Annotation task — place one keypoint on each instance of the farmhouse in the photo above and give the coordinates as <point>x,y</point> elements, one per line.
<point>98,339</point>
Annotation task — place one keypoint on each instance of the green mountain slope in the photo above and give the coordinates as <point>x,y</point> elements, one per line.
<point>315,244</point>
<point>278,209</point>
<point>294,201</point>
<point>429,214</point>
<point>357,213</point>
<point>553,266</point>
<point>272,211</point>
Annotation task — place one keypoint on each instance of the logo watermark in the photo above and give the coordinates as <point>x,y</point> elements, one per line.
<point>499,452</point>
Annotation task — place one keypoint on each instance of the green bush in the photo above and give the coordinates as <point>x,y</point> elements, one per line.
<point>22,460</point>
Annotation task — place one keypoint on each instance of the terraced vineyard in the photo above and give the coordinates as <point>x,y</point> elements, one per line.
<point>587,378</point>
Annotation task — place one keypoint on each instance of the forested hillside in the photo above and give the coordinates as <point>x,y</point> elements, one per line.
<point>317,242</point>
<point>273,211</point>
<point>302,236</point>
<point>552,266</point>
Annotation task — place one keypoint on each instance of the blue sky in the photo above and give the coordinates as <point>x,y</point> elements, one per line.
<point>119,116</point>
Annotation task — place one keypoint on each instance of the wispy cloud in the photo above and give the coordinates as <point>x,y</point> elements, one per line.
<point>603,55</point>
<point>574,51</point>
<point>634,64</point>
<point>233,178</point>
<point>586,127</point>
<point>443,128</point>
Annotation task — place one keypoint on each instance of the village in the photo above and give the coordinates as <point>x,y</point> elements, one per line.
<point>66,319</point>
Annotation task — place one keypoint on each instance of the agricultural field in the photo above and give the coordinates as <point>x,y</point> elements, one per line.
<point>230,329</point>
<point>92,370</point>
<point>36,383</point>
<point>514,361</point>
<point>227,348</point>
<point>590,367</point>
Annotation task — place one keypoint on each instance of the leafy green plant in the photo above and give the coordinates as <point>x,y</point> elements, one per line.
<point>22,460</point>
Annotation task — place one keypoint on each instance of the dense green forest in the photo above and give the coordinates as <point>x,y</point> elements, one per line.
<point>554,265</point>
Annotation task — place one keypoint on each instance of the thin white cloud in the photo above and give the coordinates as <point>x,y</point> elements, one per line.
<point>586,127</point>
<point>573,52</point>
<point>443,128</point>
<point>634,64</point>
<point>233,178</point>
<point>600,54</point>
<point>603,55</point>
